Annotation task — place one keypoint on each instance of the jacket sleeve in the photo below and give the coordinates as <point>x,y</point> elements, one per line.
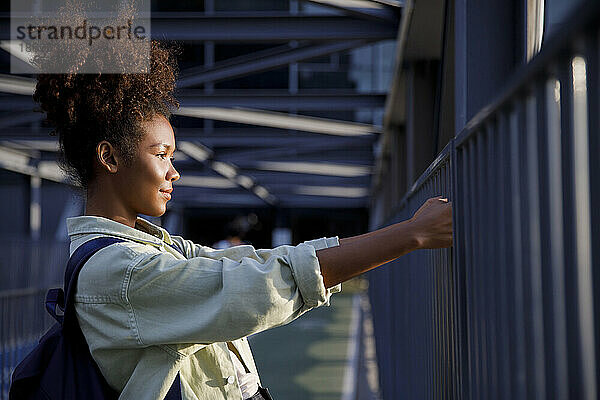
<point>223,295</point>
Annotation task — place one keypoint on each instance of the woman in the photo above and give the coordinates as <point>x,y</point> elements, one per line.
<point>157,309</point>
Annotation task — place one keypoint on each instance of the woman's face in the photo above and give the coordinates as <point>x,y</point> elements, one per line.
<point>148,182</point>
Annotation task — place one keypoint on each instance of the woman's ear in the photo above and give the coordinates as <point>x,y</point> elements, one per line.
<point>105,154</point>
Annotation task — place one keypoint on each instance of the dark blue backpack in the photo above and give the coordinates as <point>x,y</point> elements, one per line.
<point>61,366</point>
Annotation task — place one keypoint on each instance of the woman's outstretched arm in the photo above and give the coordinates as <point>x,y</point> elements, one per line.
<point>429,228</point>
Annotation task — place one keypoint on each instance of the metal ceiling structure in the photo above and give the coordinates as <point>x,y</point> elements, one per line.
<point>242,146</point>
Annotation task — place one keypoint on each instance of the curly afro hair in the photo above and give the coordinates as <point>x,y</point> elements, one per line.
<point>85,109</point>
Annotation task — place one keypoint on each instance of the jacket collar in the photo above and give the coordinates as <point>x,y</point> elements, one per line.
<point>144,230</point>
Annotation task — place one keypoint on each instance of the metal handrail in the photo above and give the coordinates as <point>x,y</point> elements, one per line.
<point>522,187</point>
<point>14,293</point>
<point>582,18</point>
<point>440,160</point>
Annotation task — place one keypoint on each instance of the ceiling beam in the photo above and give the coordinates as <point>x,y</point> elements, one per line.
<point>201,197</point>
<point>364,163</point>
<point>318,190</point>
<point>309,100</point>
<point>261,61</point>
<point>362,9</point>
<point>262,26</point>
<point>391,3</point>
<point>195,197</point>
<point>226,169</point>
<point>297,200</point>
<point>312,101</point>
<point>207,178</point>
<point>17,84</point>
<point>219,137</point>
<point>267,27</point>
<point>19,118</point>
<point>308,152</point>
<point>27,164</point>
<point>280,120</point>
<point>22,89</point>
<point>27,134</point>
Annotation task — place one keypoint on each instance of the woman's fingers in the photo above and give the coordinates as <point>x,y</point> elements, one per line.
<point>433,222</point>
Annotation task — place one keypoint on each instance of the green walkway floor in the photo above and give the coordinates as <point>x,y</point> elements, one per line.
<point>307,358</point>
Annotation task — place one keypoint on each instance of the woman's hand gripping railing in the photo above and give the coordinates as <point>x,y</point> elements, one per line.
<point>429,228</point>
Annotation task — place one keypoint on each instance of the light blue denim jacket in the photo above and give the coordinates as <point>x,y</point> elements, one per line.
<point>148,312</point>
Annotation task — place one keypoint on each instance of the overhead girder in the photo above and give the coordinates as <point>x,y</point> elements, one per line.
<point>345,191</point>
<point>253,164</point>
<point>296,200</point>
<point>27,134</point>
<point>287,121</point>
<point>201,197</point>
<point>220,137</point>
<point>310,100</point>
<point>17,118</point>
<point>324,34</point>
<point>268,178</point>
<point>260,26</point>
<point>301,154</point>
<point>228,170</point>
<point>256,27</point>
<point>293,201</point>
<point>267,27</point>
<point>362,8</point>
<point>261,99</point>
<point>261,61</point>
<point>195,197</point>
<point>226,137</point>
<point>307,150</point>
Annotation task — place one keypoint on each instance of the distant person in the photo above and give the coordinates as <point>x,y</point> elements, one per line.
<point>159,311</point>
<point>235,231</point>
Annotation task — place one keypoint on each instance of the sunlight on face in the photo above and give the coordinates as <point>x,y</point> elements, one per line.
<point>148,182</point>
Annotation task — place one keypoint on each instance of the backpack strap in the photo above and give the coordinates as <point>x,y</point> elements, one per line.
<point>55,304</point>
<point>76,262</point>
<point>60,301</point>
<point>64,298</point>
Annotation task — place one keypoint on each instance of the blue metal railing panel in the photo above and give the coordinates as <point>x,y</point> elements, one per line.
<point>27,271</point>
<point>511,312</point>
<point>592,56</point>
<point>424,313</point>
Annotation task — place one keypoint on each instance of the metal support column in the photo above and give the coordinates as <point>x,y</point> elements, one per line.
<point>35,207</point>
